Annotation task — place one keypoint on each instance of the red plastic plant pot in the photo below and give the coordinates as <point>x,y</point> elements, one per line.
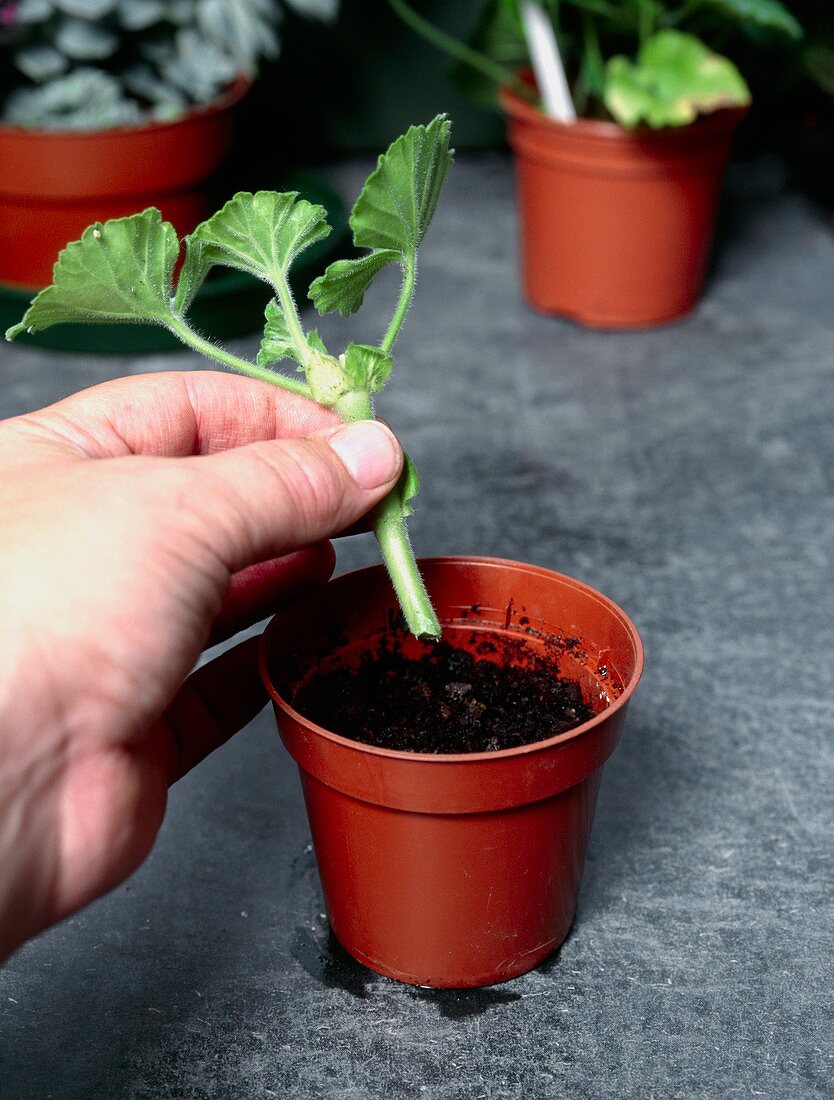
<point>53,184</point>
<point>454,870</point>
<point>616,224</point>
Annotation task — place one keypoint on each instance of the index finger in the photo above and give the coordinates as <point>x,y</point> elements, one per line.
<point>174,414</point>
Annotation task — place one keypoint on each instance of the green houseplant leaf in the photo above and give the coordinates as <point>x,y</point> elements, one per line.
<point>498,35</point>
<point>343,285</point>
<point>120,270</point>
<point>260,233</point>
<point>390,217</point>
<point>369,367</point>
<point>769,14</point>
<point>396,204</point>
<point>408,486</point>
<point>277,341</point>
<point>675,79</point>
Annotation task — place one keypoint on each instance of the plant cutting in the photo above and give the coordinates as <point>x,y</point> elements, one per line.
<point>617,206</point>
<point>107,105</point>
<point>450,781</point>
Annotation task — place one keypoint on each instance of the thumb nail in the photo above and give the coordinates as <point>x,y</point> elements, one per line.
<point>369,451</point>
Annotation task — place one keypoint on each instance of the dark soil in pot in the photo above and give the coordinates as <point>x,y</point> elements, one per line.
<point>438,698</point>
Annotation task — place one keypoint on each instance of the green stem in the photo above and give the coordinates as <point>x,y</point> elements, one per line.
<point>406,294</point>
<point>293,321</point>
<point>594,63</point>
<point>675,18</point>
<point>492,70</point>
<point>645,18</point>
<point>205,347</point>
<point>392,536</point>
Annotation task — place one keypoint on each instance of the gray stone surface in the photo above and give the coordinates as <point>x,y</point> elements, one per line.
<point>688,473</point>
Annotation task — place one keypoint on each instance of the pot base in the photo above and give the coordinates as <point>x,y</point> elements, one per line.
<point>514,969</point>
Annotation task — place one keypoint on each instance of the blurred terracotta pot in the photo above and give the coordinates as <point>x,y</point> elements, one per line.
<point>616,224</point>
<point>53,184</point>
<point>454,870</point>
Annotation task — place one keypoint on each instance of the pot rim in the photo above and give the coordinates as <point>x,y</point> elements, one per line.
<point>467,757</point>
<point>227,98</point>
<point>520,111</point>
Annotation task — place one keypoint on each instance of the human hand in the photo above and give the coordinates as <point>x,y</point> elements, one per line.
<point>143,520</point>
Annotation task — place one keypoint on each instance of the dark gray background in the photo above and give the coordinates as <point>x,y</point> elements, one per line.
<point>686,472</point>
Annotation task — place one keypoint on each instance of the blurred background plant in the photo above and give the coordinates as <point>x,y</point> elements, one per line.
<point>95,64</point>
<point>636,61</point>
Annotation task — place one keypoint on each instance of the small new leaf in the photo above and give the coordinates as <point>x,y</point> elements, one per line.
<point>260,233</point>
<point>396,204</point>
<point>192,274</point>
<point>408,486</point>
<point>277,343</point>
<point>391,215</point>
<point>120,270</point>
<point>369,368</point>
<point>342,286</point>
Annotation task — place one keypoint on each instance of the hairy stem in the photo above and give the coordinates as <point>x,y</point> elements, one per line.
<point>406,294</point>
<point>392,536</point>
<point>492,70</point>
<point>211,351</point>
<point>288,305</point>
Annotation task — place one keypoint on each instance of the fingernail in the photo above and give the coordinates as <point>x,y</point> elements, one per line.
<point>370,452</point>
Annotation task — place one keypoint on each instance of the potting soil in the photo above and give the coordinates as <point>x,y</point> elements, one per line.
<point>443,700</point>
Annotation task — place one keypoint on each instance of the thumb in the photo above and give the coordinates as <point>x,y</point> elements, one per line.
<point>268,498</point>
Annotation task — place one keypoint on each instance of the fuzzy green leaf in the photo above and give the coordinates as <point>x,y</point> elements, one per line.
<point>277,342</point>
<point>342,287</point>
<point>368,367</point>
<point>398,200</point>
<point>120,270</point>
<point>391,215</point>
<point>408,486</point>
<point>675,79</point>
<point>769,14</point>
<point>192,274</point>
<point>260,233</point>
<point>498,34</point>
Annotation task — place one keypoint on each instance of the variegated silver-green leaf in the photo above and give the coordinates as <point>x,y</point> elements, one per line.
<point>81,40</point>
<point>41,62</point>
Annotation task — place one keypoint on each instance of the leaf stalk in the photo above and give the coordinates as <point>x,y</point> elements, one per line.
<point>212,351</point>
<point>406,294</point>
